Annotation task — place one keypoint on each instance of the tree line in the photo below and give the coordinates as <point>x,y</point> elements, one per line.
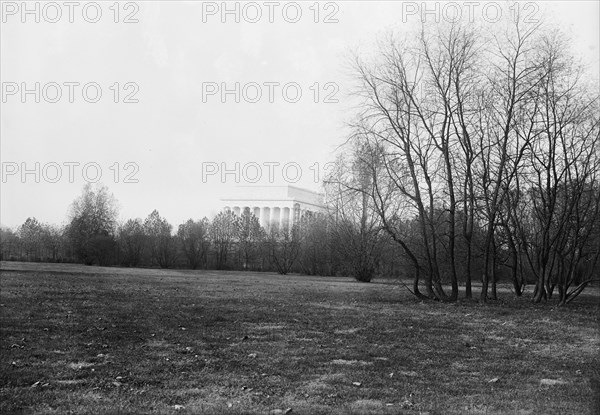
<point>92,236</point>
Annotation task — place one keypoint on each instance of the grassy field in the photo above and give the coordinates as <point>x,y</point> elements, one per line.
<point>97,340</point>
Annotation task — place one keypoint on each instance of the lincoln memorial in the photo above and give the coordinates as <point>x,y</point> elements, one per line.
<point>274,205</point>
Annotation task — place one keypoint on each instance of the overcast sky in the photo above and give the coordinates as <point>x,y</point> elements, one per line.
<point>167,72</point>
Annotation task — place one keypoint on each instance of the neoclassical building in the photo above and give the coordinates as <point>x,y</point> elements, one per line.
<point>274,205</point>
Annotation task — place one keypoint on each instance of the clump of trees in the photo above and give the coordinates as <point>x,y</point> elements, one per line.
<point>490,144</point>
<point>354,223</point>
<point>32,241</point>
<point>92,225</point>
<point>194,241</point>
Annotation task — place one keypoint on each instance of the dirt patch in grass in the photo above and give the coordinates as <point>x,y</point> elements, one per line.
<point>95,340</point>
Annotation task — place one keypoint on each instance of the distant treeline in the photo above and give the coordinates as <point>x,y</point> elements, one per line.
<point>227,242</point>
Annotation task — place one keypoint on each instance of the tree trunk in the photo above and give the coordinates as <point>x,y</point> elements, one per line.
<point>468,292</point>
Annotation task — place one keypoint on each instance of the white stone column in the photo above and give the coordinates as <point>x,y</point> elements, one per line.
<point>276,217</point>
<point>265,217</point>
<point>285,220</point>
<point>296,212</point>
<point>236,210</point>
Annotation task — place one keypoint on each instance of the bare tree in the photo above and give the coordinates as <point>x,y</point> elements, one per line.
<point>562,173</point>
<point>193,236</point>
<point>315,257</point>
<point>132,240</point>
<point>10,245</point>
<point>52,241</point>
<point>354,222</point>
<point>509,95</point>
<point>31,234</point>
<point>158,231</point>
<point>415,114</point>
<point>249,238</point>
<point>284,247</point>
<point>92,225</point>
<point>223,232</point>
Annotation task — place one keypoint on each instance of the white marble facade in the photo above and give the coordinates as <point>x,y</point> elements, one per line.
<point>274,205</point>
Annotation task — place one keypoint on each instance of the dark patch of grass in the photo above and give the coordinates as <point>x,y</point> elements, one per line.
<point>109,340</point>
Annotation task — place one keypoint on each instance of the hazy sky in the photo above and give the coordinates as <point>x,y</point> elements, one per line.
<point>173,65</point>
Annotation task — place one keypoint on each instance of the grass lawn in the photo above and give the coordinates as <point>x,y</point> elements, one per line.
<point>94,340</point>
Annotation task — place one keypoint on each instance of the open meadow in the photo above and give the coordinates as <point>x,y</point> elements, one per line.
<point>92,340</point>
